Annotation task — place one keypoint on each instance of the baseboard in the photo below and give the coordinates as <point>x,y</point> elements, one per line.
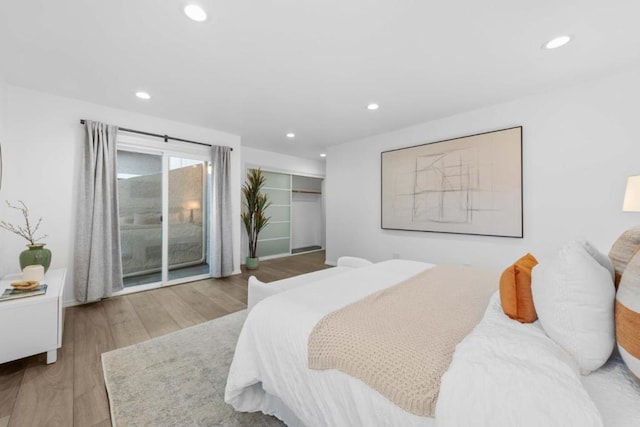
<point>71,303</point>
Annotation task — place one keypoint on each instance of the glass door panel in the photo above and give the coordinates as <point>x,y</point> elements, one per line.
<point>140,205</point>
<point>188,218</point>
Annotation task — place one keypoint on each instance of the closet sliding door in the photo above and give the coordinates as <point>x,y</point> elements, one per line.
<point>296,212</point>
<point>275,238</point>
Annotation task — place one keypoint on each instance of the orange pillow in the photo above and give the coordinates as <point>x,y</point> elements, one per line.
<point>515,290</point>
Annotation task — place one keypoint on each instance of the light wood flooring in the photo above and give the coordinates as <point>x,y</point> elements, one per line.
<point>71,392</point>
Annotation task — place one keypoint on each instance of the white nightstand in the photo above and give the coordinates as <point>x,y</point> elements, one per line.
<point>32,325</point>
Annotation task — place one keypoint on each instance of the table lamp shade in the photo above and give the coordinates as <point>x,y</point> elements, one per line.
<point>632,195</point>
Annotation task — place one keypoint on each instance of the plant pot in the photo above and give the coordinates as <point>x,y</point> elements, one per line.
<point>35,255</point>
<point>252,263</point>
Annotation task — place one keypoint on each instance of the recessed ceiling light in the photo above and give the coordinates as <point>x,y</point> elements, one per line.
<point>143,95</point>
<point>195,12</point>
<point>373,106</point>
<point>291,135</point>
<point>323,155</point>
<point>557,42</point>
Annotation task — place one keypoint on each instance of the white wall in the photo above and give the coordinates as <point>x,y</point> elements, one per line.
<point>41,153</point>
<point>580,144</point>
<point>3,108</point>
<point>276,162</point>
<point>283,163</point>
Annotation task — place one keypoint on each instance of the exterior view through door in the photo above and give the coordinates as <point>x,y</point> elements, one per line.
<point>164,234</point>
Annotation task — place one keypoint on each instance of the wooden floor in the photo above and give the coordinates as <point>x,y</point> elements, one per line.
<point>71,392</point>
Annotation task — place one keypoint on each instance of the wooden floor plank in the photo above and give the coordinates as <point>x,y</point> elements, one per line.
<point>126,326</point>
<point>71,391</point>
<point>10,380</point>
<point>219,296</point>
<point>46,392</point>
<point>228,287</point>
<point>92,337</point>
<point>156,320</point>
<point>204,305</point>
<point>179,310</point>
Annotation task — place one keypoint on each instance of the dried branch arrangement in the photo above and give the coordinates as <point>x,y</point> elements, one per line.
<point>27,232</point>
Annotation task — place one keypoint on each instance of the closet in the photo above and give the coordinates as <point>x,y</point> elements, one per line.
<point>306,214</point>
<point>297,215</point>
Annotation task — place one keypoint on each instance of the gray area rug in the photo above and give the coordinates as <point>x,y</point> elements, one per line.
<point>178,379</point>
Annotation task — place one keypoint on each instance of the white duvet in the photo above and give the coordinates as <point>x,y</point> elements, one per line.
<point>271,356</point>
<point>513,375</point>
<point>502,374</point>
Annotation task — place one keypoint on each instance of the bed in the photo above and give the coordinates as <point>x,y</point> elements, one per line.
<point>535,383</point>
<point>142,246</point>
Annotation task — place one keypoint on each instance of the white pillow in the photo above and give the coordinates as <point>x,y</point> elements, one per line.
<point>574,297</point>
<point>353,262</point>
<point>602,259</point>
<point>147,218</point>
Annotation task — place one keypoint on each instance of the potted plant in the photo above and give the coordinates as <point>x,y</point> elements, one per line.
<point>37,254</point>
<point>253,215</point>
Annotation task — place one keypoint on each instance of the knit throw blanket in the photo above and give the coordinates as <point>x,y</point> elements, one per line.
<point>400,340</point>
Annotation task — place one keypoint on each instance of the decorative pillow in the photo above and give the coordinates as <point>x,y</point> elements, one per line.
<point>515,290</point>
<point>147,218</point>
<point>602,259</point>
<point>574,296</point>
<point>623,250</point>
<point>175,218</point>
<point>628,316</point>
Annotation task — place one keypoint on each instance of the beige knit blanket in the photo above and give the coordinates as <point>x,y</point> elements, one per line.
<point>400,340</point>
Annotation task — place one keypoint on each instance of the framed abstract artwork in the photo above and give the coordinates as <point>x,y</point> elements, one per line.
<point>466,185</point>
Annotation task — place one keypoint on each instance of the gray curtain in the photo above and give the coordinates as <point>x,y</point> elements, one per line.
<point>98,266</point>
<point>222,248</point>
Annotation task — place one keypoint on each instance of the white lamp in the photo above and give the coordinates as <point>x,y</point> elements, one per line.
<point>191,205</point>
<point>632,195</point>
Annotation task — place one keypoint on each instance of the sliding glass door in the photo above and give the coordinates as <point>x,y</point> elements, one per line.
<point>140,205</point>
<point>164,217</point>
<point>188,218</point>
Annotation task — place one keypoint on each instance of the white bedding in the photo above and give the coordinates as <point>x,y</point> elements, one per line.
<point>513,374</point>
<point>503,374</point>
<point>616,393</point>
<point>272,350</point>
<point>506,373</point>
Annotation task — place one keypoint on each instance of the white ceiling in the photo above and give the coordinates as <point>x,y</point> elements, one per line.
<point>262,68</point>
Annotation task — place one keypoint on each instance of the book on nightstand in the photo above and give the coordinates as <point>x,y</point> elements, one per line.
<point>10,294</point>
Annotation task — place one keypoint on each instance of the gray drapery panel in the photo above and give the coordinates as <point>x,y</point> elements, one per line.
<point>98,265</point>
<point>222,253</point>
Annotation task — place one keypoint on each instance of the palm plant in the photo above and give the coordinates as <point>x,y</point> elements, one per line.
<point>255,205</point>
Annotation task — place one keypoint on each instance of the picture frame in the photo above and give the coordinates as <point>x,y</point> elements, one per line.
<point>465,185</point>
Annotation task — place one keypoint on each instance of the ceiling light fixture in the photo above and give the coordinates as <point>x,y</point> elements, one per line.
<point>195,12</point>
<point>373,106</point>
<point>143,95</point>
<point>291,135</point>
<point>557,42</point>
<point>323,155</point>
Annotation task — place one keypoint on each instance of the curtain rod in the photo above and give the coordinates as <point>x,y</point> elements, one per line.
<point>157,135</point>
